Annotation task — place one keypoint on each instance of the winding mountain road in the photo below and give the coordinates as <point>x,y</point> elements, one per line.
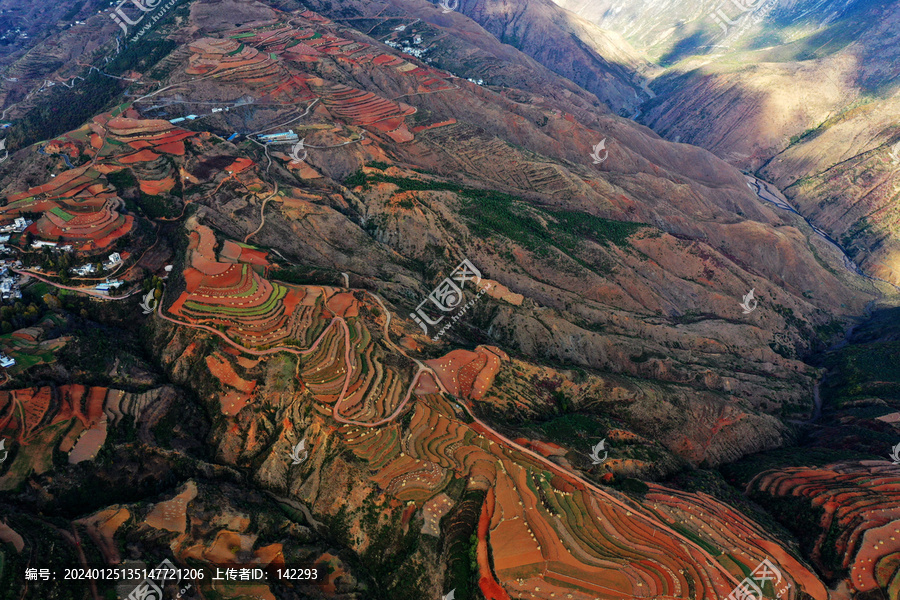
<point>70,288</point>
<point>262,214</point>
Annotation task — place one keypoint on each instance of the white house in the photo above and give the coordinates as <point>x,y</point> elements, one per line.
<point>84,270</point>
<point>19,225</point>
<point>114,259</point>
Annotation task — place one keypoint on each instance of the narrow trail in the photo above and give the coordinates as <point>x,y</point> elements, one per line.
<point>262,214</point>
<point>348,362</point>
<point>550,465</point>
<point>288,122</point>
<point>209,195</point>
<point>638,511</point>
<point>455,87</point>
<point>79,551</point>
<point>362,136</point>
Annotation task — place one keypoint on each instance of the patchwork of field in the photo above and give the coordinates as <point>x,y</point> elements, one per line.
<point>231,61</point>
<point>391,436</point>
<point>541,530</point>
<point>229,291</point>
<point>30,346</point>
<point>228,540</point>
<point>311,39</point>
<point>545,533</point>
<point>469,374</point>
<point>343,361</point>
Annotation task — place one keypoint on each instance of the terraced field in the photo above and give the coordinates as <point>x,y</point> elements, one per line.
<point>232,295</point>
<point>859,508</point>
<point>80,207</point>
<point>542,530</point>
<point>365,109</point>
<point>282,63</point>
<point>308,38</point>
<point>545,533</point>
<point>343,362</point>
<point>394,431</point>
<point>71,419</point>
<point>75,207</point>
<point>229,60</point>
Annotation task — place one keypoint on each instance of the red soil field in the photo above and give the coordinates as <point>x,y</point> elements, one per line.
<point>465,373</point>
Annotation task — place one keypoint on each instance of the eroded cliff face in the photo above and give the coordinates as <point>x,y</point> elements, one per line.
<point>747,114</point>
<point>598,60</point>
